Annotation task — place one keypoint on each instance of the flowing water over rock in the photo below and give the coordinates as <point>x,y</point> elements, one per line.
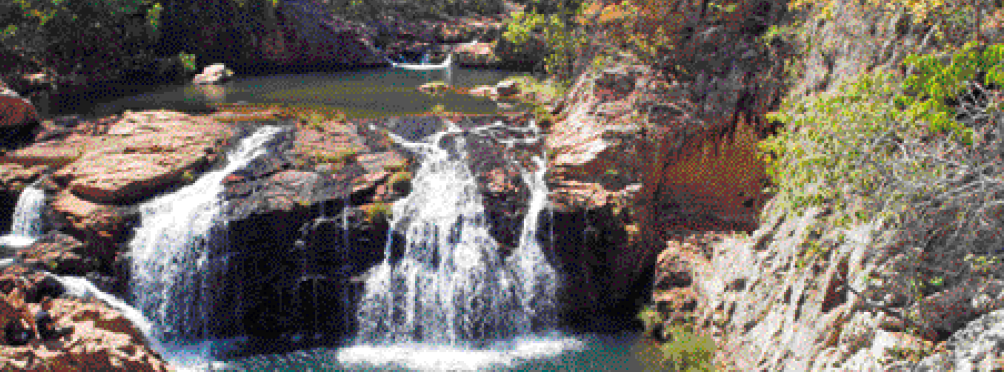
<point>451,286</point>
<point>174,249</point>
<point>27,224</point>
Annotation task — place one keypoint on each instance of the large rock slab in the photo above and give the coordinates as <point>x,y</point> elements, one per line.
<point>143,154</point>
<point>108,224</point>
<point>101,339</point>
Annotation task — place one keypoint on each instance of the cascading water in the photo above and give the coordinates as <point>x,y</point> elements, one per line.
<point>451,286</point>
<point>28,213</point>
<point>27,224</point>
<point>173,246</point>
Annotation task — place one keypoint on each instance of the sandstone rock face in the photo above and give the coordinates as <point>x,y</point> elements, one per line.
<point>141,155</point>
<point>213,74</point>
<point>772,306</point>
<point>478,54</point>
<point>63,254</point>
<point>977,347</point>
<point>306,33</point>
<point>101,339</point>
<point>302,233</point>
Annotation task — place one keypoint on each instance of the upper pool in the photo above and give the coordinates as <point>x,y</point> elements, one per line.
<point>359,93</point>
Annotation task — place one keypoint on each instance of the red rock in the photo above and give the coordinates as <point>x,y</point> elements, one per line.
<point>101,340</point>
<point>16,111</point>
<point>141,155</point>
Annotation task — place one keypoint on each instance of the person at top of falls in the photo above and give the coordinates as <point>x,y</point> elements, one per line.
<point>18,324</point>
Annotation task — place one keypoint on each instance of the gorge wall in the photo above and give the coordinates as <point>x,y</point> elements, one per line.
<point>685,172</point>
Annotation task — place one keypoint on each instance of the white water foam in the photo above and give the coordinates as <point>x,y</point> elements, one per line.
<point>424,66</point>
<point>27,224</point>
<point>451,288</point>
<point>425,357</point>
<point>171,248</point>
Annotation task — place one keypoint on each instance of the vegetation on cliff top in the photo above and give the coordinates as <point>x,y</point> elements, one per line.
<point>918,148</point>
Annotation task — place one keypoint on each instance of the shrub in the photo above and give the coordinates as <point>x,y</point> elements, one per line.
<point>921,155</point>
<point>105,33</point>
<point>556,28</point>
<point>378,212</point>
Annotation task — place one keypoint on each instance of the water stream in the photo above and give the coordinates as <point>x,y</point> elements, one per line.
<point>27,224</point>
<point>452,286</point>
<point>448,301</point>
<point>173,250</point>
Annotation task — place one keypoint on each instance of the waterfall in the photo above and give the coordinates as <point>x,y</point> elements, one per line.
<point>172,250</point>
<point>28,213</point>
<point>451,286</point>
<point>27,220</point>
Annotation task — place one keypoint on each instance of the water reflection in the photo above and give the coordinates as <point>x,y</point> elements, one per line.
<point>366,93</point>
<point>210,93</point>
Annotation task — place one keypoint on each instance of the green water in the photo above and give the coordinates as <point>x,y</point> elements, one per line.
<point>585,352</point>
<point>366,93</point>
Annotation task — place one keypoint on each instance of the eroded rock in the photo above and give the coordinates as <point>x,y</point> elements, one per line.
<point>143,154</point>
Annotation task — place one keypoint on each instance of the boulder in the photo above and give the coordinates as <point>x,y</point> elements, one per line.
<point>476,54</point>
<point>97,223</point>
<point>977,347</point>
<point>507,88</point>
<point>213,74</point>
<point>38,283</point>
<point>18,119</point>
<point>483,91</point>
<point>433,88</point>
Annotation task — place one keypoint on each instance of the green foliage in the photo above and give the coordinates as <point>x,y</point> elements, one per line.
<point>187,62</point>
<point>556,30</point>
<point>396,167</point>
<point>378,212</point>
<point>400,182</point>
<point>690,352</point>
<point>339,157</point>
<point>187,177</point>
<point>935,86</point>
<point>38,27</point>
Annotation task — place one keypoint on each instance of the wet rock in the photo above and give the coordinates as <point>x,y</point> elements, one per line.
<point>213,74</point>
<point>63,254</point>
<point>477,54</point>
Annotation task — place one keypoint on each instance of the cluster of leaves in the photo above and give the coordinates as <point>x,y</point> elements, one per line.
<point>378,213</point>
<point>831,140</point>
<point>103,31</point>
<point>685,350</point>
<point>554,25</point>
<point>952,18</point>
<point>922,154</point>
<point>935,86</point>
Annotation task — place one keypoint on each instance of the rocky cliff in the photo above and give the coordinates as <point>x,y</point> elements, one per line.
<point>674,157</point>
